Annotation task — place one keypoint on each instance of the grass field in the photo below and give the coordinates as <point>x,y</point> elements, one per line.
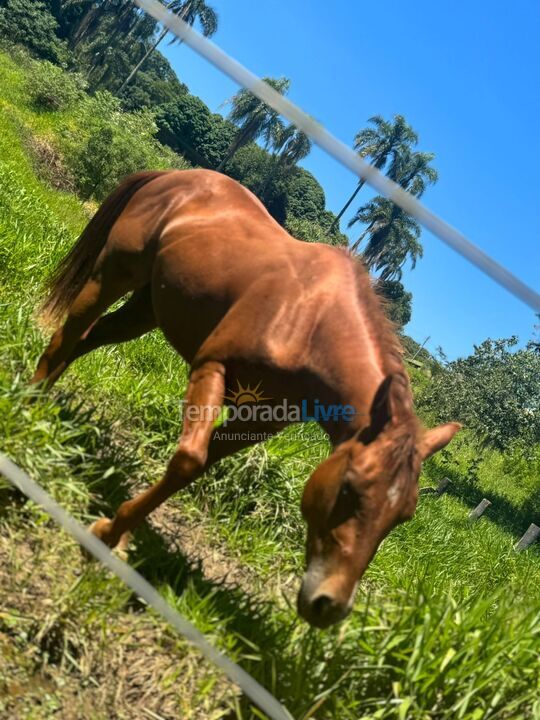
<point>446,624</point>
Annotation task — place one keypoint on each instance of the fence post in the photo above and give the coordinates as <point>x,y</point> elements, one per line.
<point>479,509</point>
<point>532,534</point>
<point>443,486</point>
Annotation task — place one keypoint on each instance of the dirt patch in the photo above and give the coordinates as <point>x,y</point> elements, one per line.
<point>205,552</point>
<point>194,541</point>
<point>73,647</point>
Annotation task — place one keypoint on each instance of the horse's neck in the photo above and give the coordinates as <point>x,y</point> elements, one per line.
<point>356,368</point>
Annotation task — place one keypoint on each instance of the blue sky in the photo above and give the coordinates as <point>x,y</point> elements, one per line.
<point>466,77</point>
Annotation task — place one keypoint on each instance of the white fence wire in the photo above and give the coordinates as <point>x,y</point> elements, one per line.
<point>343,154</point>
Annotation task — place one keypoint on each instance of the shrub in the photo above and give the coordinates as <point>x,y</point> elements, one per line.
<point>51,88</point>
<point>49,164</point>
<point>113,144</point>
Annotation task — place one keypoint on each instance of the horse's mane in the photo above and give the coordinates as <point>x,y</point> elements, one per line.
<point>381,327</point>
<point>385,332</point>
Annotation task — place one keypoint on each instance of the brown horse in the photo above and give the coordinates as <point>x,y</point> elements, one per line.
<point>248,305</point>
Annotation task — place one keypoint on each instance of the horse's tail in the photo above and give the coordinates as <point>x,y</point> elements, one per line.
<point>74,271</point>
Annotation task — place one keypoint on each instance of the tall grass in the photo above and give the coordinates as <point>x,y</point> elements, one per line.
<point>446,623</point>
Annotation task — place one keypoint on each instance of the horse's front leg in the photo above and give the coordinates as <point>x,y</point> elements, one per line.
<point>204,400</point>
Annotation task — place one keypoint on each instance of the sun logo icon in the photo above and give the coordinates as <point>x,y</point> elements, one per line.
<point>246,394</point>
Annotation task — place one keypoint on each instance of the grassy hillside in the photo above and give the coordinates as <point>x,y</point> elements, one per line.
<point>446,624</point>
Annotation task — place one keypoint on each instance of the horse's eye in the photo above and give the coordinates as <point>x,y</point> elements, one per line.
<point>348,494</point>
<point>346,506</point>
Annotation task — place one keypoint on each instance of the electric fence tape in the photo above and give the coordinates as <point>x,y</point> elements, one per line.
<point>341,152</point>
<point>261,697</point>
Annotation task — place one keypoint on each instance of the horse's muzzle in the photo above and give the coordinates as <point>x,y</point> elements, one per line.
<point>319,604</point>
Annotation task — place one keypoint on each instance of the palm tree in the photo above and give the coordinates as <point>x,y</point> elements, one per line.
<point>393,238</point>
<point>294,145</point>
<point>254,118</point>
<point>116,19</point>
<point>412,170</point>
<point>88,20</point>
<point>386,140</point>
<point>394,235</point>
<point>190,11</point>
<point>289,147</point>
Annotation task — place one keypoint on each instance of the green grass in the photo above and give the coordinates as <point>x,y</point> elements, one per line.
<point>446,622</point>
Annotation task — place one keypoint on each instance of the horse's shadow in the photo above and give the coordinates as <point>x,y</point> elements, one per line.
<point>262,630</point>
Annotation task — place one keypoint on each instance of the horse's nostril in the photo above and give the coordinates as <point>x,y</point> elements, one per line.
<point>322,605</point>
<point>321,609</point>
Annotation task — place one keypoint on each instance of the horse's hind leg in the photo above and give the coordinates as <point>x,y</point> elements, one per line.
<point>135,318</point>
<point>95,297</point>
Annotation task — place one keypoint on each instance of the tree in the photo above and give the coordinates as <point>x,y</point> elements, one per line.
<point>155,85</point>
<point>32,24</point>
<point>412,170</point>
<point>398,301</point>
<point>291,145</point>
<point>534,342</point>
<point>294,193</point>
<point>51,88</point>
<point>106,62</point>
<point>311,231</point>
<point>109,144</point>
<point>188,126</point>
<point>80,19</point>
<point>495,392</point>
<point>415,350</point>
<point>305,198</point>
<point>254,118</point>
<point>394,235</point>
<point>383,142</point>
<point>250,166</point>
<point>87,21</point>
<point>189,11</point>
<point>393,238</point>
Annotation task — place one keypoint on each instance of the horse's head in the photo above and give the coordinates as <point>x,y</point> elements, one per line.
<point>353,499</point>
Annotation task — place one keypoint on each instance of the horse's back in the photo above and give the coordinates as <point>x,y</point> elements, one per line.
<point>212,247</point>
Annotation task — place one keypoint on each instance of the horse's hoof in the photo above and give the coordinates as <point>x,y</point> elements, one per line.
<point>122,549</point>
<point>101,529</point>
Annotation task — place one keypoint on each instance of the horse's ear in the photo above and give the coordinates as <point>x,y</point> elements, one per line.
<point>434,440</point>
<point>390,403</point>
<point>381,407</point>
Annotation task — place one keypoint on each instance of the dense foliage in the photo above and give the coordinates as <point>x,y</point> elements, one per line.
<point>31,24</point>
<point>112,46</point>
<point>109,144</point>
<point>188,126</point>
<point>495,392</point>
<point>398,299</point>
<point>51,88</point>
<point>95,140</point>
